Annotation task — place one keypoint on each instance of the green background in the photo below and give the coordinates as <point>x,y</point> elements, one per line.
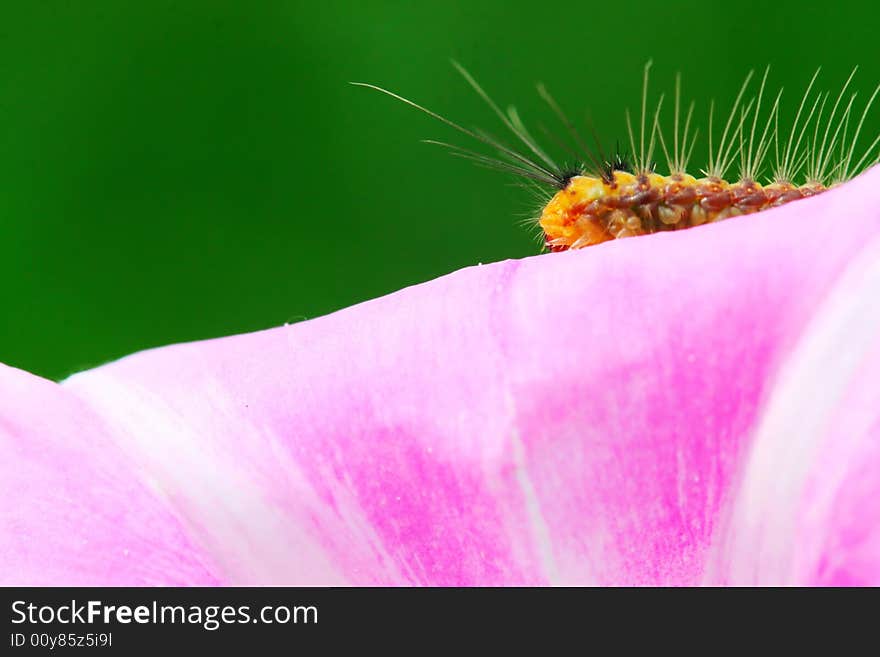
<point>174,171</point>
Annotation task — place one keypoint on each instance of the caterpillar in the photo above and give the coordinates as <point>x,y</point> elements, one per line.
<point>605,198</point>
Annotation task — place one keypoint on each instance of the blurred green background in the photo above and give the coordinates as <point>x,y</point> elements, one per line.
<point>174,171</point>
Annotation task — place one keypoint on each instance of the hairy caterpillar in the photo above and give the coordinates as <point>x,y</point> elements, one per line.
<point>603,198</point>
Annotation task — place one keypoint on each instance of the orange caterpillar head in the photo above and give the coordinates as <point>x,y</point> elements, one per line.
<point>589,210</point>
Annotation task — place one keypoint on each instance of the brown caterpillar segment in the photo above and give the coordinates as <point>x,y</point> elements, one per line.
<point>591,210</point>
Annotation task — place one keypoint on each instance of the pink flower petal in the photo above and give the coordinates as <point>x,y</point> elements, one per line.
<point>816,454</point>
<point>613,416</point>
<point>75,511</point>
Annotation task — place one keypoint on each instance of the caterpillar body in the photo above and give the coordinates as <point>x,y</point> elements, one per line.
<point>603,198</point>
<point>591,210</point>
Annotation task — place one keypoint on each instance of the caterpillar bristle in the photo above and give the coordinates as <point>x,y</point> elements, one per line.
<point>788,164</point>
<point>572,130</point>
<point>752,158</point>
<point>601,197</point>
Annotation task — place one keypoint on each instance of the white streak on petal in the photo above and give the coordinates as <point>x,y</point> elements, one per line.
<point>540,531</point>
<point>757,543</point>
<point>221,493</point>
